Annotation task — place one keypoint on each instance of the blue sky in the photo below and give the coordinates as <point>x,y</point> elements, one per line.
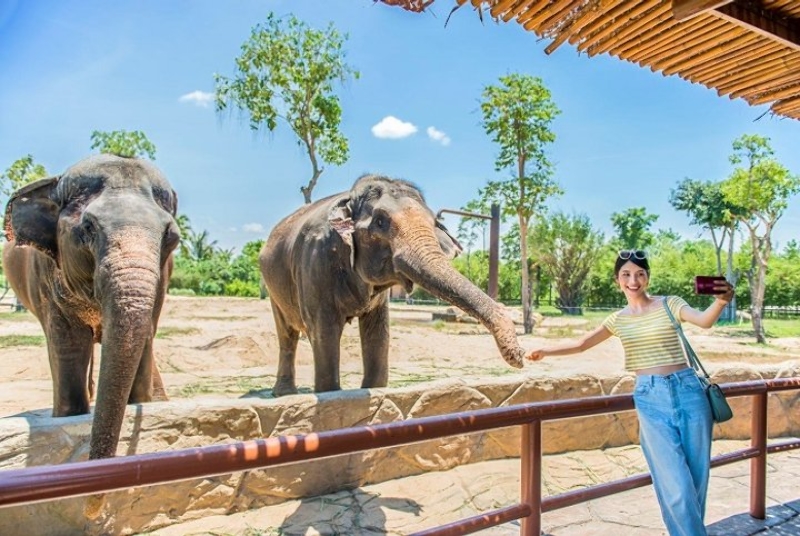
<point>625,137</point>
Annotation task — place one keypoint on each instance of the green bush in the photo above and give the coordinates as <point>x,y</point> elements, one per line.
<point>238,287</point>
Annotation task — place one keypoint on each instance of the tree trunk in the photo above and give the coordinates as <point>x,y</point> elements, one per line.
<point>729,314</point>
<point>525,292</point>
<point>718,248</point>
<point>761,253</point>
<point>316,170</point>
<point>309,189</point>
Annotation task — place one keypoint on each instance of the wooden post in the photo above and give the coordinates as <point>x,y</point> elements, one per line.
<point>531,478</point>
<point>758,464</point>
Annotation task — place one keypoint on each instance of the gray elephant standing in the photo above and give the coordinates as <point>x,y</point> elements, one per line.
<point>90,254</point>
<point>336,259</point>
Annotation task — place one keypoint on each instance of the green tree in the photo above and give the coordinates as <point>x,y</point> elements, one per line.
<point>21,172</point>
<point>517,115</point>
<point>792,251</point>
<point>475,267</point>
<point>286,71</point>
<point>761,187</point>
<point>200,248</point>
<point>567,246</point>
<point>602,289</point>
<point>707,207</point>
<point>633,227</point>
<point>470,229</point>
<point>478,272</point>
<point>676,262</point>
<point>185,228</point>
<point>129,144</point>
<point>245,272</point>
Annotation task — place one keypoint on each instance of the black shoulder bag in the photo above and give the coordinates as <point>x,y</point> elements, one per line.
<point>720,409</point>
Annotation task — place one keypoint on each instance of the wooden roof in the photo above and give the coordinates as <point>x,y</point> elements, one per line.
<point>748,49</point>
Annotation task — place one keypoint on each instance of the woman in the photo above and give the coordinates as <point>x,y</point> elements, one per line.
<point>674,414</point>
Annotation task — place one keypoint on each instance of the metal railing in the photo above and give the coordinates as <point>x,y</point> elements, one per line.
<point>36,484</point>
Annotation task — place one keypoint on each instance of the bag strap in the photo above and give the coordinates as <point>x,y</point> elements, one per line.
<point>693,360</point>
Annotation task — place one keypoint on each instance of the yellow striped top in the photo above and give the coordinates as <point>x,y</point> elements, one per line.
<point>649,339</point>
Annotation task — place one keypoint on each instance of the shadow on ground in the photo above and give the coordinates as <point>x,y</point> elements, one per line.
<point>781,520</point>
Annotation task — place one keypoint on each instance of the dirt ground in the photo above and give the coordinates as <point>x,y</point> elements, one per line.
<point>226,347</point>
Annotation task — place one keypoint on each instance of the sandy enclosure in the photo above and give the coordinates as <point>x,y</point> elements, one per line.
<point>226,347</point>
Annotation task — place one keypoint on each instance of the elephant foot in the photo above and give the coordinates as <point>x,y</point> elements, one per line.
<point>284,387</point>
<point>71,410</point>
<point>372,384</point>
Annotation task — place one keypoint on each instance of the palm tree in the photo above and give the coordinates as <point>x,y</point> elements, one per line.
<point>199,248</point>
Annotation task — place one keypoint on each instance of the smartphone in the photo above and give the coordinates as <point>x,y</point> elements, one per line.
<point>704,284</point>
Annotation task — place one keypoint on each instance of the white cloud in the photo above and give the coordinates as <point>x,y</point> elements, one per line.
<point>198,98</point>
<point>393,128</point>
<point>253,228</point>
<point>438,135</point>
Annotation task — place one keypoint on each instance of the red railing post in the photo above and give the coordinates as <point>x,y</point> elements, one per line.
<point>531,477</point>
<point>758,464</point>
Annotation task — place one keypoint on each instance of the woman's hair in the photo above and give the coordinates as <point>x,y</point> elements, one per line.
<point>641,263</point>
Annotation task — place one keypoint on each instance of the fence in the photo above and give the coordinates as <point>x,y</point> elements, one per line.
<point>780,311</point>
<point>44,483</point>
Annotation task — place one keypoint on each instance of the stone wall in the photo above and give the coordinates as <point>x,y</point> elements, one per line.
<point>36,439</point>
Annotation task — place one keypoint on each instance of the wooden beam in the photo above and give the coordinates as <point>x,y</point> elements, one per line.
<point>686,9</point>
<point>783,30</point>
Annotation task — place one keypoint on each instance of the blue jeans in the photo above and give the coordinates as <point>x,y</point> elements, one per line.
<point>675,433</point>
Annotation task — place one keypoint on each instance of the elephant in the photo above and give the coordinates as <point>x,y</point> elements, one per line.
<point>336,259</point>
<point>89,253</point>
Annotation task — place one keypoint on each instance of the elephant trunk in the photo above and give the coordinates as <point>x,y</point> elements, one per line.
<point>422,261</point>
<point>130,279</point>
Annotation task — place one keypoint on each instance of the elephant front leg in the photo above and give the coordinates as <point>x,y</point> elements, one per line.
<point>374,330</point>
<point>70,348</point>
<point>287,342</point>
<point>325,339</point>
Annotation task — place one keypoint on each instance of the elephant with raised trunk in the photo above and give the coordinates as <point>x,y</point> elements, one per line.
<point>336,259</point>
<point>90,254</point>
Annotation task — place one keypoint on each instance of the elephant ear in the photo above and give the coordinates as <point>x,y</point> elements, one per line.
<point>32,216</point>
<point>174,207</point>
<point>340,219</point>
<point>450,246</point>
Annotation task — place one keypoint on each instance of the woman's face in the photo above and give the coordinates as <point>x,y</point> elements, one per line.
<point>633,280</point>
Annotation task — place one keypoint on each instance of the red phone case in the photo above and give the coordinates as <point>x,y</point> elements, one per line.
<point>704,284</point>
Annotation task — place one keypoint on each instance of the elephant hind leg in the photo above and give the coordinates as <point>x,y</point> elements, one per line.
<point>287,341</point>
<point>159,392</point>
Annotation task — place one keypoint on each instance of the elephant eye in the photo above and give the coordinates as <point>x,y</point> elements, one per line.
<point>381,222</point>
<point>85,232</point>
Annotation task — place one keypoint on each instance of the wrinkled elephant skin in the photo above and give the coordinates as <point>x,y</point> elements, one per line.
<point>336,259</point>
<point>89,252</point>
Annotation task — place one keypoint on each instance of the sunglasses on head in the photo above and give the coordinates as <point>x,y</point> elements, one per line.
<point>638,254</point>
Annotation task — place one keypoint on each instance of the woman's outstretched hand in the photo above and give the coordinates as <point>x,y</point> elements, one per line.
<point>724,291</point>
<point>535,355</point>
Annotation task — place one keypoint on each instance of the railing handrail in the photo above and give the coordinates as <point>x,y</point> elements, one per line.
<point>41,483</point>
